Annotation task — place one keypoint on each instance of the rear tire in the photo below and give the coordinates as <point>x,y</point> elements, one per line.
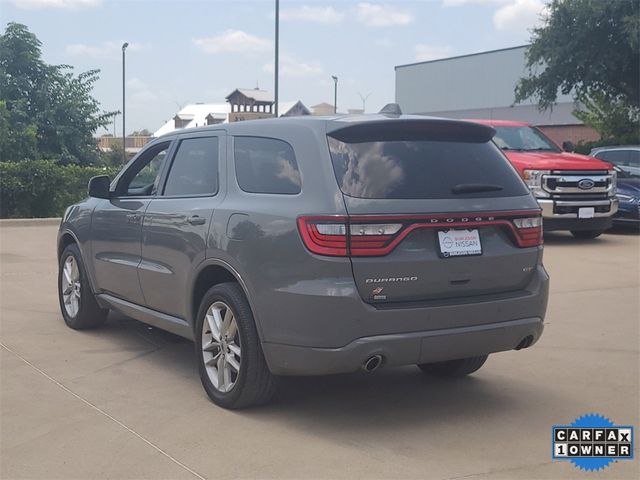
<point>77,301</point>
<point>586,234</point>
<point>454,368</point>
<point>232,367</point>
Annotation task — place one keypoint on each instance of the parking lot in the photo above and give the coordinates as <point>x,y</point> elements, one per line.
<point>125,401</point>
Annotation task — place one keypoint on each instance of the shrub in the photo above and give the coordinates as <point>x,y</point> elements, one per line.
<point>43,188</point>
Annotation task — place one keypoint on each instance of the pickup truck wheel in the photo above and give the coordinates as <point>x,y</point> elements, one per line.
<point>77,302</point>
<point>586,234</point>
<point>454,368</point>
<point>231,364</point>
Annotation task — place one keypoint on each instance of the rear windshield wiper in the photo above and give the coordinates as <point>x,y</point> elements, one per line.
<point>475,188</point>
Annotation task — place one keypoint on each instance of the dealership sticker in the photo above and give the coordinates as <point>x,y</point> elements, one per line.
<point>592,442</point>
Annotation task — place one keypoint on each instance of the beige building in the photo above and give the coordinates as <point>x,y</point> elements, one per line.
<point>482,85</point>
<point>323,109</point>
<point>242,104</point>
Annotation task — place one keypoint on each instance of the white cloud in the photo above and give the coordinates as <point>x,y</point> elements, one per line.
<point>376,15</point>
<point>459,3</point>
<point>306,13</point>
<point>136,84</point>
<point>139,92</point>
<point>293,68</point>
<point>425,52</point>
<point>143,97</point>
<point>104,50</point>
<point>232,41</point>
<point>65,4</point>
<point>519,14</point>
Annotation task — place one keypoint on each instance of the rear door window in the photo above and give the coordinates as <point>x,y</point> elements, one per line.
<point>266,165</point>
<point>617,157</point>
<point>422,169</point>
<point>194,170</point>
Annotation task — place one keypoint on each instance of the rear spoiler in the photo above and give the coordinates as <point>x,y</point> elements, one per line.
<point>406,129</point>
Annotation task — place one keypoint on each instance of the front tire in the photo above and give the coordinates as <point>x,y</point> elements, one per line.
<point>232,367</point>
<point>77,301</point>
<point>454,368</point>
<point>586,234</point>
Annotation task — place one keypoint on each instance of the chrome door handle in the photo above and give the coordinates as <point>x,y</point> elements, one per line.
<point>196,220</point>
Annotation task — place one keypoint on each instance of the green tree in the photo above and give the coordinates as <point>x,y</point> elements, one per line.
<point>113,156</point>
<point>588,48</point>
<point>17,134</point>
<point>45,104</point>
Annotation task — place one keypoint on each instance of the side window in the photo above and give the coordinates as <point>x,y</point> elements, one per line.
<point>143,176</point>
<point>194,170</point>
<point>617,157</point>
<point>266,165</point>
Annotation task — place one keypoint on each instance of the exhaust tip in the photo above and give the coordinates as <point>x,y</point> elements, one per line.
<point>526,342</point>
<point>372,363</point>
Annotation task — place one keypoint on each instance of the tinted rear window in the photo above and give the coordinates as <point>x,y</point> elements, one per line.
<point>407,169</point>
<point>266,165</point>
<point>194,170</point>
<point>626,158</point>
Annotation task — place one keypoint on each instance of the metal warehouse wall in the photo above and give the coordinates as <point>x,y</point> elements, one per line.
<point>474,86</point>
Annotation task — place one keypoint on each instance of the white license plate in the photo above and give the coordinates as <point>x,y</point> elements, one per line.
<point>586,212</point>
<point>458,243</point>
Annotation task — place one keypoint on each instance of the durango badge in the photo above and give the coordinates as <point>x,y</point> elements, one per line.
<point>391,279</point>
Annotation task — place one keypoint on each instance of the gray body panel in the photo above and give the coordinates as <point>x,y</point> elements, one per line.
<point>116,231</point>
<point>303,302</point>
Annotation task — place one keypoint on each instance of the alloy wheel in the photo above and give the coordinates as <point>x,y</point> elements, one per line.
<point>221,350</point>
<point>71,286</point>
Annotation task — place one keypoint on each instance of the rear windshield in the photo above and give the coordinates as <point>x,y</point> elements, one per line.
<point>523,139</point>
<point>415,169</point>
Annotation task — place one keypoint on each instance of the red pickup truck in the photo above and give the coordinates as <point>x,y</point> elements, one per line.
<point>575,192</point>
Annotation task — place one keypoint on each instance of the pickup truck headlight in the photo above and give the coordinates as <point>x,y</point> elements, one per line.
<point>614,183</point>
<point>533,178</point>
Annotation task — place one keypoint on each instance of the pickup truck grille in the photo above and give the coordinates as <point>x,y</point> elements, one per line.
<point>588,185</point>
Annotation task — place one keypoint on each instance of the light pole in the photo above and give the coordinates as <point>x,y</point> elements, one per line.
<point>364,100</point>
<point>124,135</point>
<point>276,63</point>
<point>335,93</point>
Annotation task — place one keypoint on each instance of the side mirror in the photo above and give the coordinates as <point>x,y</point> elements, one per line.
<point>99,186</point>
<point>568,146</point>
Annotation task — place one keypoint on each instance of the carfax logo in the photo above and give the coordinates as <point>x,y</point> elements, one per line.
<point>592,442</point>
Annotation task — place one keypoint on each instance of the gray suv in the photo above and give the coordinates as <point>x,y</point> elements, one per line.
<point>312,246</point>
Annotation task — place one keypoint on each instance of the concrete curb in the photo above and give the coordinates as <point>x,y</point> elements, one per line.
<point>29,222</point>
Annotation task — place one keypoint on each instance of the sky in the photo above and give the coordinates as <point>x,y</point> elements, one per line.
<point>188,51</point>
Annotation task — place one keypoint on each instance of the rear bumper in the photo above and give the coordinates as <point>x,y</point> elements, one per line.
<point>626,221</point>
<point>628,213</point>
<point>403,349</point>
<point>563,214</point>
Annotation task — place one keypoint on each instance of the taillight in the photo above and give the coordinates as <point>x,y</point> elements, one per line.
<point>324,235</point>
<point>370,235</point>
<point>328,236</point>
<point>528,231</point>
<point>371,239</point>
